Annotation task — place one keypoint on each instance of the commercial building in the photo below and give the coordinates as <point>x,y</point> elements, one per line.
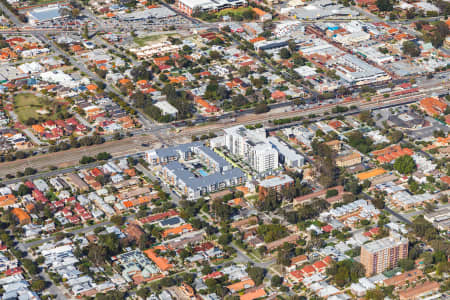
<point>154,13</point>
<point>322,9</point>
<point>383,254</point>
<point>191,6</point>
<point>375,55</point>
<point>167,109</point>
<point>253,147</point>
<point>270,45</point>
<point>355,71</point>
<point>352,38</point>
<point>43,14</point>
<point>305,71</point>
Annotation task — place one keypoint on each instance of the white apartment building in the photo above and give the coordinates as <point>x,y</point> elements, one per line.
<point>263,158</point>
<point>252,146</point>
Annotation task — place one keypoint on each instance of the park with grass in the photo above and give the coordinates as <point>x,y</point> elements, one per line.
<point>33,108</point>
<point>144,40</point>
<point>236,14</point>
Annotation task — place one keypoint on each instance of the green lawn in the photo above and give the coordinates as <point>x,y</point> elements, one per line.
<point>42,2</point>
<point>142,41</point>
<point>233,11</point>
<point>26,105</point>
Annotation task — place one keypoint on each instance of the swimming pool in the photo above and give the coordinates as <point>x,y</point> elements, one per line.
<point>203,172</point>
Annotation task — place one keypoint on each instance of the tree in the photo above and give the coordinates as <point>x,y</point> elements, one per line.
<point>443,267</point>
<point>30,266</point>
<point>292,45</point>
<point>439,34</point>
<point>406,264</point>
<point>86,160</point>
<point>163,77</point>
<point>270,202</point>
<point>405,164</point>
<point>276,281</point>
<point>38,285</point>
<point>424,229</point>
<point>410,48</point>
<point>326,162</point>
<point>215,55</point>
<point>207,269</point>
<point>257,274</point>
<point>141,72</point>
<point>20,154</point>
<point>378,203</point>
<point>86,31</point>
<point>103,156</point>
<point>375,294</point>
<point>111,295</point>
<point>283,258</point>
<point>353,186</point>
<point>225,239</point>
<point>384,5</point>
<point>143,293</point>
<point>75,12</point>
<point>331,193</point>
<point>396,136</point>
<point>272,232</point>
<point>366,117</point>
<point>221,210</point>
<point>261,108</point>
<point>285,53</point>
<point>345,271</point>
<point>239,100</point>
<point>99,229</point>
<point>23,190</point>
<point>40,260</point>
<point>117,220</point>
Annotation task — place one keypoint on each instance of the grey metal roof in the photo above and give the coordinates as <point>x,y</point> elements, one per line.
<point>170,221</point>
<point>48,13</point>
<point>174,151</point>
<point>196,183</point>
<point>212,155</point>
